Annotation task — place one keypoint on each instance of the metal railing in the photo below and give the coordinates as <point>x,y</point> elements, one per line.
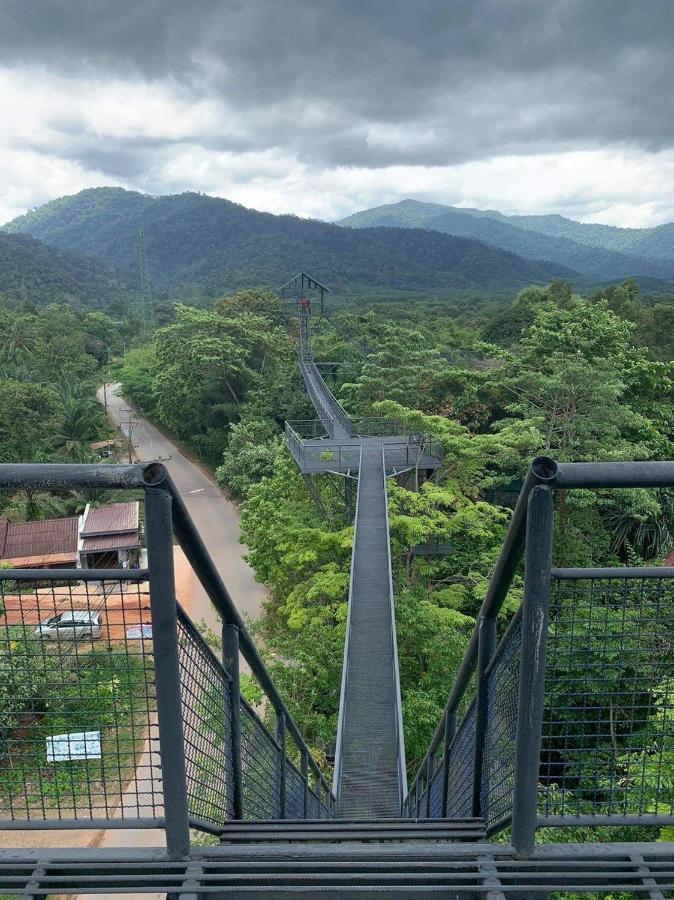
<point>400,731</point>
<point>377,426</point>
<point>419,450</point>
<point>322,456</point>
<point>571,717</point>
<point>329,410</point>
<point>339,739</point>
<point>114,710</point>
<point>308,429</point>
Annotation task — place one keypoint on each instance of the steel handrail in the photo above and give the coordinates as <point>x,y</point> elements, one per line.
<point>541,471</point>
<point>567,476</point>
<point>402,767</point>
<point>199,558</point>
<point>337,770</point>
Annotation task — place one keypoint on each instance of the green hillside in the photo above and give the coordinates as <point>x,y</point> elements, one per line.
<point>650,243</point>
<point>40,274</point>
<point>537,237</point>
<point>200,245</point>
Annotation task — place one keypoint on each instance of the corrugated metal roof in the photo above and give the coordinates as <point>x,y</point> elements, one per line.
<point>44,560</point>
<point>124,541</point>
<point>44,538</point>
<point>111,518</point>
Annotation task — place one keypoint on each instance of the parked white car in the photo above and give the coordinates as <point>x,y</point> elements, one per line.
<point>74,625</point>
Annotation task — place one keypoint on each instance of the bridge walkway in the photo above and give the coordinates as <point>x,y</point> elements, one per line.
<point>368,753</point>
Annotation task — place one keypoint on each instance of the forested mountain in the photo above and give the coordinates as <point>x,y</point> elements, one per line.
<point>652,243</point>
<point>200,245</point>
<point>35,272</point>
<point>594,250</point>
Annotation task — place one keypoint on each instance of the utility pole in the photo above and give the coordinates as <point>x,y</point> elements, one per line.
<point>127,427</point>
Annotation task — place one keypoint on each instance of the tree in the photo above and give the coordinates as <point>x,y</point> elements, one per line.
<point>29,417</point>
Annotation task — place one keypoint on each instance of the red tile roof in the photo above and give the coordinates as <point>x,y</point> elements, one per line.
<point>44,561</point>
<point>38,539</point>
<point>111,518</point>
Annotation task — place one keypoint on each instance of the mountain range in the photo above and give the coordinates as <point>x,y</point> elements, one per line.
<point>601,251</point>
<point>201,247</point>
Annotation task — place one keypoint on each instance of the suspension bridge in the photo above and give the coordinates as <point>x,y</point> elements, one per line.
<point>543,728</point>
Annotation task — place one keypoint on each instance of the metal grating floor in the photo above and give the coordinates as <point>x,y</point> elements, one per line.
<point>348,871</point>
<point>369,784</point>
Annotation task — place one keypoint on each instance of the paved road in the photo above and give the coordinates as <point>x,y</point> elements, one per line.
<point>217,519</point>
<point>214,515</point>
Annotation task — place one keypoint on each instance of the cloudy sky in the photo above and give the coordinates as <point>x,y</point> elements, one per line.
<point>323,107</point>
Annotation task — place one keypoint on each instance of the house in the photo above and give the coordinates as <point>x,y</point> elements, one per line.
<point>47,544</point>
<point>107,537</point>
<point>110,536</point>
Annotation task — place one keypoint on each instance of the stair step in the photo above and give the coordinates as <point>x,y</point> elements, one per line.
<point>358,831</point>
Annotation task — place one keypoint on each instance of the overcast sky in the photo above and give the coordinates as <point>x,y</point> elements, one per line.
<point>324,107</point>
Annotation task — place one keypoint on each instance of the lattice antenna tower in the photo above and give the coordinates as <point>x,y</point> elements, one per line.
<point>145,303</point>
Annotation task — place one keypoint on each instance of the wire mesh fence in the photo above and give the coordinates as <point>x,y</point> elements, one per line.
<point>78,725</point>
<point>260,768</point>
<point>608,730</point>
<point>207,716</point>
<point>498,771</point>
<point>294,793</point>
<point>461,764</point>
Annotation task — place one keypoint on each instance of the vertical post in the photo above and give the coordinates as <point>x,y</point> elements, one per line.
<point>448,737</point>
<point>304,769</point>
<point>430,762</point>
<point>538,557</point>
<point>230,654</point>
<point>281,739</point>
<point>485,651</point>
<point>167,670</point>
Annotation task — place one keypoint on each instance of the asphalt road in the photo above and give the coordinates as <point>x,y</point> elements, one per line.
<point>216,517</point>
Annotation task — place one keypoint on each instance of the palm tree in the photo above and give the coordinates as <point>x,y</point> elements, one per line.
<point>17,340</point>
<point>79,425</point>
<point>650,535</point>
<point>31,505</point>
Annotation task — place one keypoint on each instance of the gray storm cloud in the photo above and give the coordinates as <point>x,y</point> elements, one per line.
<point>377,83</point>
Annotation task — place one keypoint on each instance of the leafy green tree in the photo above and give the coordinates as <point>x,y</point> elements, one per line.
<point>29,417</point>
<point>251,454</point>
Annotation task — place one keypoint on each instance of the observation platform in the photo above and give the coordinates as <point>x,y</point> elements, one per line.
<point>320,456</point>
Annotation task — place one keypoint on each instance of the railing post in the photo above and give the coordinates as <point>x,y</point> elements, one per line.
<point>448,737</point>
<point>304,769</point>
<point>538,557</point>
<point>430,761</point>
<point>158,524</point>
<point>485,651</point>
<point>230,655</point>
<point>281,739</point>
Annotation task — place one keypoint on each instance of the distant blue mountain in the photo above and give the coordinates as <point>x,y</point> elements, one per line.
<point>599,251</point>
